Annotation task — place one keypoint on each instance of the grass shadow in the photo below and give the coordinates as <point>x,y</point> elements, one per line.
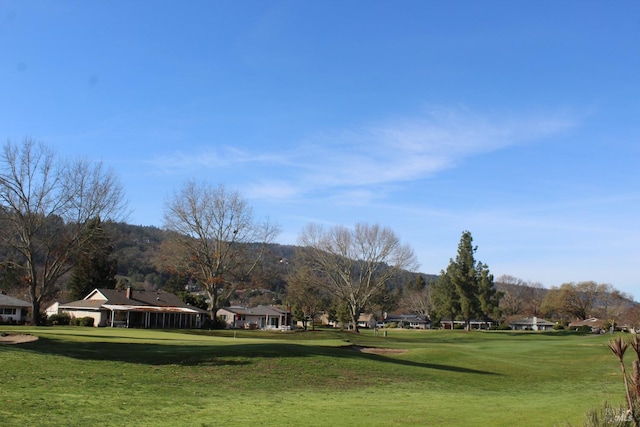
<point>209,355</point>
<point>405,362</point>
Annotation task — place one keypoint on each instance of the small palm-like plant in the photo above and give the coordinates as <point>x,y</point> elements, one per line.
<point>635,381</point>
<point>619,346</point>
<point>635,378</point>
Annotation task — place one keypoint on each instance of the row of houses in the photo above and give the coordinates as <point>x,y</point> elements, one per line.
<point>157,309</point>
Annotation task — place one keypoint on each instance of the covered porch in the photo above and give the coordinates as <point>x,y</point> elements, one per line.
<point>154,317</point>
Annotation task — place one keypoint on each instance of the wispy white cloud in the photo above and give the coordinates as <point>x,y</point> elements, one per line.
<point>347,162</point>
<point>271,189</point>
<point>413,148</point>
<point>180,162</point>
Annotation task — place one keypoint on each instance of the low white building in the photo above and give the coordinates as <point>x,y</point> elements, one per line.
<point>133,309</point>
<point>12,310</point>
<point>531,324</point>
<point>260,317</point>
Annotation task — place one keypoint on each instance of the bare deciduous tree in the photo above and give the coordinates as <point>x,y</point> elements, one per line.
<point>612,303</point>
<point>533,298</point>
<point>512,302</point>
<point>355,263</point>
<point>49,211</point>
<point>220,241</point>
<point>581,298</point>
<point>520,296</point>
<point>417,297</point>
<point>307,297</point>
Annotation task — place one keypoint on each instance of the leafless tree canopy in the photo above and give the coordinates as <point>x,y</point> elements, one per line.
<point>418,301</point>
<point>520,296</point>
<point>220,240</point>
<point>49,208</point>
<point>586,299</point>
<point>355,263</point>
<point>306,295</point>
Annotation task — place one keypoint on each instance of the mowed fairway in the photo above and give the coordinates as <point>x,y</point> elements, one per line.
<point>76,376</point>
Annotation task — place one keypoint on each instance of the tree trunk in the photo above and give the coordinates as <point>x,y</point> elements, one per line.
<point>35,308</point>
<point>213,305</point>
<point>354,320</point>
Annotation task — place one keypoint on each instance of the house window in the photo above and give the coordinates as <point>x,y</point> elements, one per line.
<point>8,311</point>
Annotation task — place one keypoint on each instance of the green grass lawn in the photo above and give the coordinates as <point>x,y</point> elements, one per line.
<point>76,376</point>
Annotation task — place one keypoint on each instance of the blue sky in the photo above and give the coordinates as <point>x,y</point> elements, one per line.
<point>516,120</point>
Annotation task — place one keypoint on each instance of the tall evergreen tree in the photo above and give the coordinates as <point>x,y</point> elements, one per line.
<point>488,295</point>
<point>444,297</point>
<point>95,268</point>
<point>466,289</point>
<point>465,279</point>
<point>416,285</point>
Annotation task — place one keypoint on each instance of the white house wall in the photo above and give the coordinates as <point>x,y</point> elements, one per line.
<point>16,317</point>
<point>99,317</point>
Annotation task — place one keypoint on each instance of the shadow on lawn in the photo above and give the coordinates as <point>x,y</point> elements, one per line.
<point>208,355</point>
<point>380,358</point>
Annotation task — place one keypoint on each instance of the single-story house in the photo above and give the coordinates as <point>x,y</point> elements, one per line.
<point>366,320</point>
<point>473,324</point>
<point>260,317</point>
<point>134,309</point>
<point>12,310</point>
<point>531,324</point>
<point>408,321</point>
<point>596,325</point>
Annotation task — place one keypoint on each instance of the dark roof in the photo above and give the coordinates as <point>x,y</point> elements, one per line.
<point>139,299</point>
<point>7,301</point>
<point>407,318</point>
<point>260,310</point>
<point>593,322</point>
<point>152,298</point>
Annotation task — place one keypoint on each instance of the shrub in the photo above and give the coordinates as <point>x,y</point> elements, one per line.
<point>608,325</point>
<point>59,319</point>
<point>213,324</point>
<point>83,321</point>
<point>584,329</point>
<point>504,327</point>
<point>88,321</point>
